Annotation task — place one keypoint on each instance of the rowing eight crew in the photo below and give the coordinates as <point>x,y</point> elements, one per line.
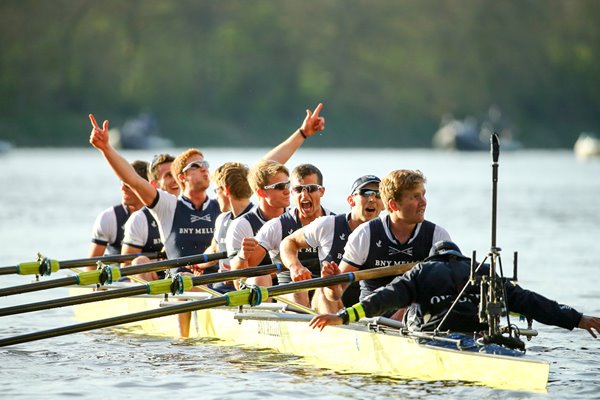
<point>401,235</point>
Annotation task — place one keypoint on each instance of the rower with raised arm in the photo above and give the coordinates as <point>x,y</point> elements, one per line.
<point>186,222</point>
<point>329,235</point>
<point>269,180</point>
<point>433,287</point>
<point>241,218</point>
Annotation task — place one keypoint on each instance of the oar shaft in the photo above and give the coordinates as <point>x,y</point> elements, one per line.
<point>135,290</point>
<point>232,299</point>
<point>350,277</point>
<point>236,274</point>
<point>41,285</point>
<point>84,262</point>
<point>173,263</point>
<point>91,277</point>
<point>116,258</point>
<point>73,300</point>
<point>124,319</point>
<point>8,270</point>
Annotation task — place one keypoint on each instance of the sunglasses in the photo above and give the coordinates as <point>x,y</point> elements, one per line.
<point>311,188</point>
<point>368,193</point>
<point>195,165</point>
<point>278,186</point>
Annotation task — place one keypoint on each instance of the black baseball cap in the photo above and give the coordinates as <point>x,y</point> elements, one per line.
<point>363,181</point>
<point>444,247</point>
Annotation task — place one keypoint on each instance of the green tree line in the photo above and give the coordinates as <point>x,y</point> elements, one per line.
<point>237,72</point>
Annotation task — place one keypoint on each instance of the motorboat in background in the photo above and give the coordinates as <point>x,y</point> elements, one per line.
<point>467,135</point>
<point>139,133</point>
<point>587,146</point>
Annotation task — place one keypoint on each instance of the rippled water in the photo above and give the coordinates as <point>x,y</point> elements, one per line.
<point>548,210</point>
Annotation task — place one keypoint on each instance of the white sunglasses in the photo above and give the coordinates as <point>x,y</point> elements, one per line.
<point>196,164</point>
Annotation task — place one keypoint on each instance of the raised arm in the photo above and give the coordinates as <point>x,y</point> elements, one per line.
<point>99,139</point>
<point>288,250</point>
<point>312,124</point>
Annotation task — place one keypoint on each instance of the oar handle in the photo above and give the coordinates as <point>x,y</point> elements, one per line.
<point>237,274</point>
<point>173,263</point>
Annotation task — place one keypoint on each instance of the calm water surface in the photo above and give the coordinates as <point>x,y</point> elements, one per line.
<point>548,211</point>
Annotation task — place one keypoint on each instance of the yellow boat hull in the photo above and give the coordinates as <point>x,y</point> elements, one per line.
<point>351,349</point>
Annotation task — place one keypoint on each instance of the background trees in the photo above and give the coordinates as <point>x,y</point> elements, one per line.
<point>236,72</point>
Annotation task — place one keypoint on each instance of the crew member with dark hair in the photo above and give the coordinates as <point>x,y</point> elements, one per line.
<point>108,231</point>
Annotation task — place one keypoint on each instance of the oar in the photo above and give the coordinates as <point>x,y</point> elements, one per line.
<point>110,274</point>
<point>45,266</point>
<point>237,298</point>
<point>155,287</point>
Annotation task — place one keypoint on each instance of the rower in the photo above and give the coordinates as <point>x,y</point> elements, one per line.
<point>329,235</point>
<point>270,181</point>
<point>402,235</point>
<point>307,190</point>
<point>107,234</point>
<point>141,230</point>
<point>233,194</point>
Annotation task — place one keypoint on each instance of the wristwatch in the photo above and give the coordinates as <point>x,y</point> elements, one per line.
<point>343,314</point>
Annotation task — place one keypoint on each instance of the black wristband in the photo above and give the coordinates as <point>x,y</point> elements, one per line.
<point>343,314</point>
<point>302,133</point>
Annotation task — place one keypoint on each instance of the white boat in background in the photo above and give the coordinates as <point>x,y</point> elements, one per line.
<point>5,146</point>
<point>587,146</point>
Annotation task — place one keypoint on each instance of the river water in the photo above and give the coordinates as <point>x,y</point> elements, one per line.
<point>548,211</point>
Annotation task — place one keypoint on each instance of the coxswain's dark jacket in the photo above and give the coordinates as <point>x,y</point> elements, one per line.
<point>435,284</point>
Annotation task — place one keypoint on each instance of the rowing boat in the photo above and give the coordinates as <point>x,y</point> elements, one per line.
<point>367,347</point>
